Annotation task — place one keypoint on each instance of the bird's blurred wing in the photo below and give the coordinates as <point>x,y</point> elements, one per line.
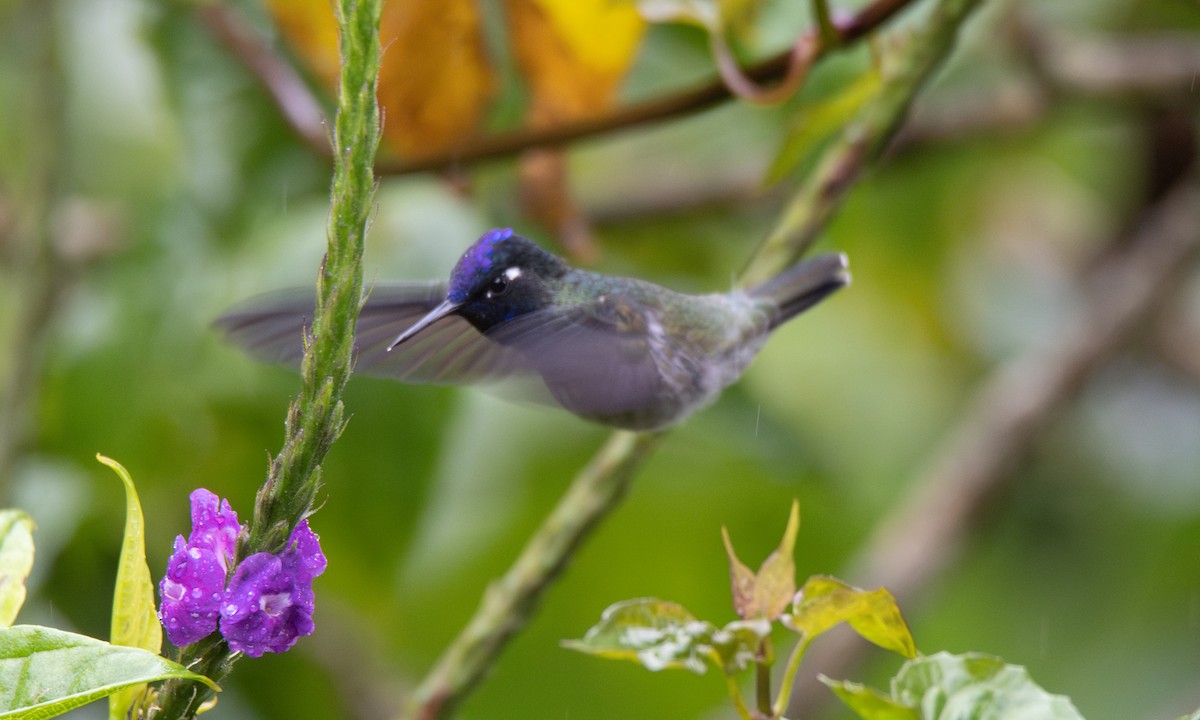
<point>598,359</point>
<point>270,327</point>
<point>450,351</point>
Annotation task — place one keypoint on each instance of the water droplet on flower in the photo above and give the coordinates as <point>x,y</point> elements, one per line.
<point>195,553</point>
<point>197,592</point>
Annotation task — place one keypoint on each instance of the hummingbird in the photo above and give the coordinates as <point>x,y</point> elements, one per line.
<point>618,351</point>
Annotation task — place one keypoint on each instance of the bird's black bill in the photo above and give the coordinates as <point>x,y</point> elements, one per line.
<point>439,312</point>
<point>450,351</point>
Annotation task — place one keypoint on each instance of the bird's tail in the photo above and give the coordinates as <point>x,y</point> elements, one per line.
<point>804,284</point>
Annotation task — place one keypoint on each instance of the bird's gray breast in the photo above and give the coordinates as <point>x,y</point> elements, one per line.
<point>636,363</point>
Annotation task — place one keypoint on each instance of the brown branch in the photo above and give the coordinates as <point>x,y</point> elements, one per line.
<point>301,111</point>
<point>860,144</point>
<point>740,85</point>
<point>926,533</point>
<point>1147,64</point>
<point>1177,339</point>
<point>1160,68</point>
<point>303,114</point>
<point>685,102</point>
<point>38,270</point>
<point>509,602</point>
<point>1162,76</point>
<point>350,652</point>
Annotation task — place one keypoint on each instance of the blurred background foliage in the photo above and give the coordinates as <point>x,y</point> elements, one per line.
<point>147,182</point>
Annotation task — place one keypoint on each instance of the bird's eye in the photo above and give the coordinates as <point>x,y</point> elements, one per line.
<point>498,286</point>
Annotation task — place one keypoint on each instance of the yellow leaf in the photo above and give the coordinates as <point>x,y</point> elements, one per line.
<point>574,53</point>
<point>826,601</point>
<point>435,79</point>
<point>739,16</point>
<point>134,620</point>
<point>867,702</point>
<point>16,561</point>
<point>767,593</point>
<point>742,579</point>
<point>310,28</point>
<point>775,583</point>
<point>813,125</point>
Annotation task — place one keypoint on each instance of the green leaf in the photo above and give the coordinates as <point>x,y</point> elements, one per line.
<point>45,672</point>
<point>868,702</point>
<point>816,123</point>
<point>654,633</point>
<point>742,580</point>
<point>738,643</point>
<point>978,687</point>
<point>16,560</point>
<point>826,601</point>
<point>956,687</point>
<point>134,621</point>
<point>776,582</point>
<point>658,634</point>
<point>767,592</point>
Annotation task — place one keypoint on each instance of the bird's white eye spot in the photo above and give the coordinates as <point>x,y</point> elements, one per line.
<point>499,284</point>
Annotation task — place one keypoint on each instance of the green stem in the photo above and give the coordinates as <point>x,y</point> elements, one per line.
<point>789,677</point>
<point>735,694</point>
<point>509,602</point>
<point>830,37</point>
<point>842,165</point>
<point>316,417</point>
<point>762,687</point>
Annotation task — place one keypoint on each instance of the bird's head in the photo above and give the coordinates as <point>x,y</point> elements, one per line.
<point>501,276</point>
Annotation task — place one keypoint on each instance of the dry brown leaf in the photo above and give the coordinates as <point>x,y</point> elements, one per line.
<point>574,53</point>
<point>309,27</point>
<point>435,80</point>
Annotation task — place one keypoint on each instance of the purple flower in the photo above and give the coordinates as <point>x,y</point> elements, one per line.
<point>214,526</point>
<point>262,605</point>
<point>194,585</point>
<point>269,602</point>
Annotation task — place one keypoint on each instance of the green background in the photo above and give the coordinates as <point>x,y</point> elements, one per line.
<point>189,194</point>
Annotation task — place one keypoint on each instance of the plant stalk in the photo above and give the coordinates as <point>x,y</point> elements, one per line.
<point>316,417</point>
